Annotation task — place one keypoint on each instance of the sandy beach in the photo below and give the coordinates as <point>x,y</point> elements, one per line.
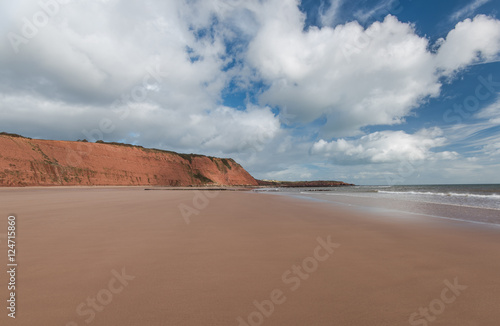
<point>126,256</point>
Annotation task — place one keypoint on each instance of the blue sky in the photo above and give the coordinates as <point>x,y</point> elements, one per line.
<point>366,91</point>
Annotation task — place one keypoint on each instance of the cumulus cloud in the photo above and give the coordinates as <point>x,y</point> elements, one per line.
<point>97,51</point>
<point>471,41</point>
<point>355,77</point>
<point>385,147</point>
<point>160,71</point>
<point>155,69</point>
<point>220,130</point>
<point>231,130</point>
<point>348,75</point>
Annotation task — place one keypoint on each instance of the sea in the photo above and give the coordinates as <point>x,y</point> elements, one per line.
<point>479,203</point>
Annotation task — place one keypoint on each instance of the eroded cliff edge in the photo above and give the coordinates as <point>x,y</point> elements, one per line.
<point>35,162</point>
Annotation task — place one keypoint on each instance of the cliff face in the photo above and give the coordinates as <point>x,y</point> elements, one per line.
<point>30,162</point>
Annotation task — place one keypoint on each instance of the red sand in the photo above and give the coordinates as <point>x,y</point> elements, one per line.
<point>72,243</point>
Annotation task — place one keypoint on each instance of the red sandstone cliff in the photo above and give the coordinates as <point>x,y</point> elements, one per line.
<point>33,162</point>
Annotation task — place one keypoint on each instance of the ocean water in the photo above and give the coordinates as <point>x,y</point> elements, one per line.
<point>473,203</point>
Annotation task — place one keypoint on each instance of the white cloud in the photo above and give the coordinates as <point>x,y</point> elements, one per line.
<point>67,77</point>
<point>230,130</point>
<point>380,10</point>
<point>492,149</point>
<point>353,77</point>
<point>470,42</point>
<point>88,60</point>
<point>491,112</point>
<point>468,9</point>
<point>97,51</point>
<point>356,77</point>
<point>328,17</point>
<point>221,130</point>
<point>385,147</point>
<point>292,172</point>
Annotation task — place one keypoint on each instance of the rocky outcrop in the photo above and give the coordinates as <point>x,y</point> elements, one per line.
<point>34,162</point>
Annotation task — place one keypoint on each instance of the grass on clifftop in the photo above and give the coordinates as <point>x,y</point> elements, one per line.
<point>187,157</point>
<point>12,135</point>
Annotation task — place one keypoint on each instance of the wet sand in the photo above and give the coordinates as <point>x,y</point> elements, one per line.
<point>125,256</point>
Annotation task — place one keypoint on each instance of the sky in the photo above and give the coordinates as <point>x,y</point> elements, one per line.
<point>369,92</point>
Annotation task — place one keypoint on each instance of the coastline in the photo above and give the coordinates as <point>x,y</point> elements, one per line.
<point>468,214</point>
<point>234,252</point>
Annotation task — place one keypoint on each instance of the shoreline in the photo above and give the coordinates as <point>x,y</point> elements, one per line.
<point>380,210</point>
<point>241,251</point>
